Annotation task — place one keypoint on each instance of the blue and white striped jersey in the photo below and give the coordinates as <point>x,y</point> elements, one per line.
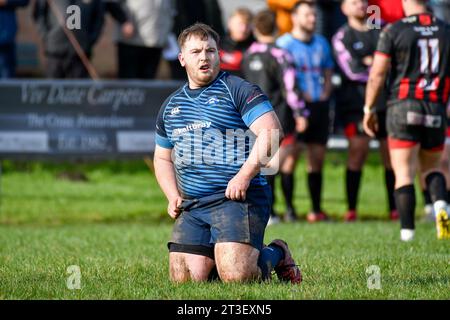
<point>208,130</point>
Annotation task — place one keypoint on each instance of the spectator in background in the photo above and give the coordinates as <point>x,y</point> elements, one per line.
<point>282,9</point>
<point>115,9</point>
<point>329,15</point>
<point>8,30</point>
<point>189,12</point>
<point>139,54</point>
<point>354,45</point>
<point>237,41</point>
<point>272,69</point>
<point>314,68</point>
<point>62,59</point>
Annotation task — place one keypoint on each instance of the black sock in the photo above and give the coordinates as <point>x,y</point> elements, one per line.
<point>352,181</point>
<point>287,185</point>
<point>436,186</point>
<point>426,196</point>
<point>405,199</point>
<point>315,189</point>
<point>271,182</point>
<point>389,179</point>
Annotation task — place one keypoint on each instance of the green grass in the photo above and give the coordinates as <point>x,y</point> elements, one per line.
<point>114,227</point>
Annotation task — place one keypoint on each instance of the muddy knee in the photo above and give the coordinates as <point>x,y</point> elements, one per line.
<point>237,262</point>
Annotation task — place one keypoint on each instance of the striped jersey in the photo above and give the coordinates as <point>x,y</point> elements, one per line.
<point>208,130</point>
<point>310,59</point>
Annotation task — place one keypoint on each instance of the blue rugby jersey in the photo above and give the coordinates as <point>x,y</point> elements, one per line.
<point>310,59</point>
<point>195,123</point>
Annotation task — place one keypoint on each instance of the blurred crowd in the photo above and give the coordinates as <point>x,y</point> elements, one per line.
<point>146,31</point>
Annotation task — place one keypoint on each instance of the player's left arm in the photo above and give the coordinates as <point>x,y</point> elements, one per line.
<point>375,84</point>
<point>269,133</point>
<point>285,71</point>
<point>328,67</point>
<point>327,85</point>
<point>165,175</point>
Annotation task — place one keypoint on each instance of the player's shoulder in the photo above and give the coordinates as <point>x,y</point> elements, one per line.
<point>442,24</point>
<point>401,24</point>
<point>345,28</point>
<point>285,40</point>
<point>257,48</point>
<point>279,52</point>
<point>233,82</point>
<point>392,28</point>
<point>342,32</point>
<point>169,100</point>
<point>320,40</point>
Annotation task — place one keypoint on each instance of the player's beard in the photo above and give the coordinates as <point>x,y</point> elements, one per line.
<point>204,78</point>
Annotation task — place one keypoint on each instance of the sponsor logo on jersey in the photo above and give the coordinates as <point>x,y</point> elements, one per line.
<point>212,100</point>
<point>175,111</point>
<point>256,65</point>
<point>358,45</point>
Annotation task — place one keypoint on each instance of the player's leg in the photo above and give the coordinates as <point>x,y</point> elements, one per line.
<point>287,179</point>
<point>315,155</point>
<point>284,161</point>
<point>189,267</point>
<point>428,204</point>
<point>406,131</point>
<point>357,154</point>
<point>191,255</point>
<point>433,142</point>
<point>404,159</point>
<point>237,229</point>
<point>389,177</point>
<point>435,182</point>
<point>316,139</point>
<point>288,163</point>
<point>237,262</point>
<point>240,262</point>
<point>445,165</point>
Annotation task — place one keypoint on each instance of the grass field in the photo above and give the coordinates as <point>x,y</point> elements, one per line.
<point>114,227</point>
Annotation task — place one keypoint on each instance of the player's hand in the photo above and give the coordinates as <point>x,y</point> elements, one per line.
<point>174,207</point>
<point>307,97</point>
<point>370,123</point>
<point>301,124</point>
<point>127,30</point>
<point>237,188</point>
<point>325,96</point>
<point>368,60</point>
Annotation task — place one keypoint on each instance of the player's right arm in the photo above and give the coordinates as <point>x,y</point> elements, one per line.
<point>163,163</point>
<point>291,90</point>
<point>165,175</point>
<point>348,60</point>
<point>377,77</point>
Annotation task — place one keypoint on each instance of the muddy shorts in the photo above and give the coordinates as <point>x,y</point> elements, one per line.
<point>208,220</point>
<point>410,122</point>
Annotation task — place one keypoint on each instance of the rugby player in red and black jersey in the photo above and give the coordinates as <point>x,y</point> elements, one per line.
<point>417,51</point>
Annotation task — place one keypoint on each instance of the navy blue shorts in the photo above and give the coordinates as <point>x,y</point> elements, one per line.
<point>214,218</point>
